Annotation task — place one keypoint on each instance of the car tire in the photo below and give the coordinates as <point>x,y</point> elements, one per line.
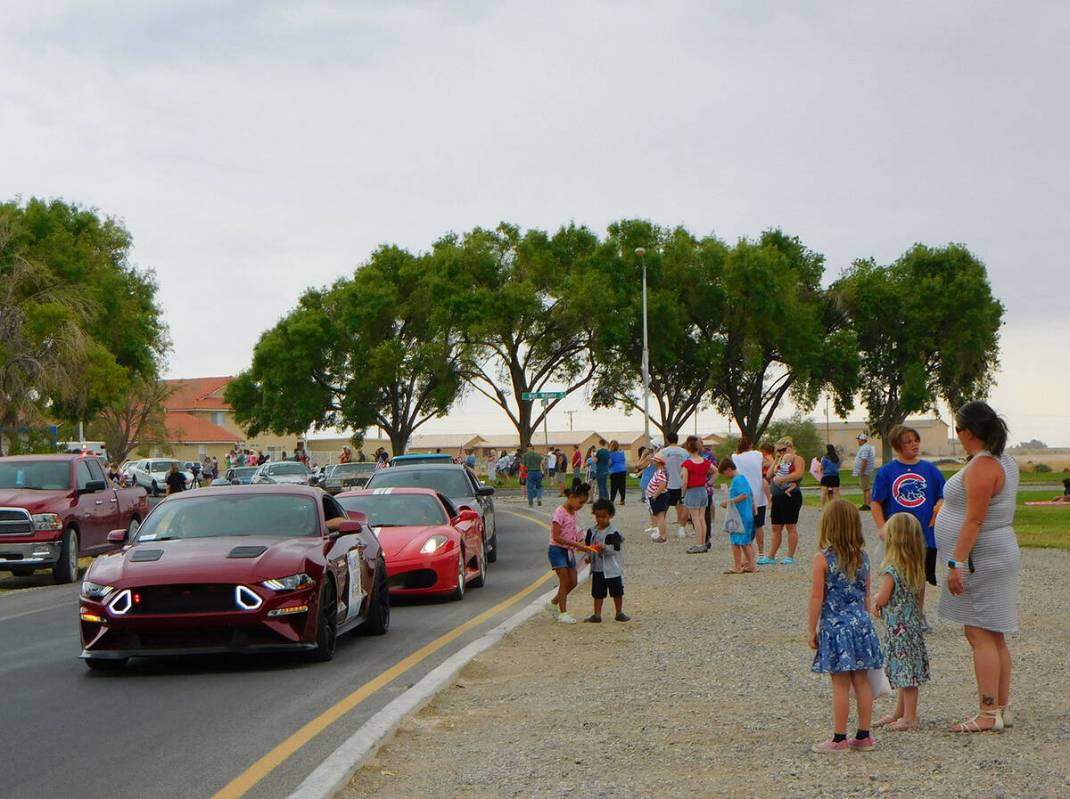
<point>378,621</point>
<point>492,550</point>
<point>105,664</point>
<point>326,625</point>
<point>458,592</point>
<point>25,571</point>
<point>481,560</point>
<point>66,568</point>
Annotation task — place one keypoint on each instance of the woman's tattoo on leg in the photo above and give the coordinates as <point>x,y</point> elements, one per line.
<point>987,700</point>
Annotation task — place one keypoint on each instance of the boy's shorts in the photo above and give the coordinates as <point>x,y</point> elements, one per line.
<point>562,557</point>
<point>602,585</point>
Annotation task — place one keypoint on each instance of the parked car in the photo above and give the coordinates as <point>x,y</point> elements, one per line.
<point>455,482</point>
<point>56,508</point>
<point>151,474</point>
<point>238,569</point>
<point>236,475</point>
<point>284,472</point>
<point>346,476</point>
<point>421,457</point>
<point>430,546</point>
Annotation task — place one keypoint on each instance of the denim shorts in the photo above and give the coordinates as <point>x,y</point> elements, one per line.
<point>562,557</point>
<point>696,498</point>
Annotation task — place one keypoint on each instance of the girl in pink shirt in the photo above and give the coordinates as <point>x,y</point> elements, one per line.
<point>565,537</point>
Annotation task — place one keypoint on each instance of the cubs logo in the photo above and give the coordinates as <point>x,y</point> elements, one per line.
<point>909,490</point>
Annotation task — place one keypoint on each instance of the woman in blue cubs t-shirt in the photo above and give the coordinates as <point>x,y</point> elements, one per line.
<point>908,484</point>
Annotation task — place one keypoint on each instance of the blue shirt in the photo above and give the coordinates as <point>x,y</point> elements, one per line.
<point>740,486</point>
<point>914,489</point>
<point>617,462</point>
<point>828,468</point>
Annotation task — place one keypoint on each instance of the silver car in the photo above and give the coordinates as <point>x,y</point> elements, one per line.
<point>151,474</point>
<point>347,476</point>
<point>283,472</point>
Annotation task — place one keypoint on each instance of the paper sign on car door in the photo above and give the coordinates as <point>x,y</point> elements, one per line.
<point>356,588</point>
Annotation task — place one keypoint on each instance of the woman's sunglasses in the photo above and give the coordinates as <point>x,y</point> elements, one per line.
<point>781,451</point>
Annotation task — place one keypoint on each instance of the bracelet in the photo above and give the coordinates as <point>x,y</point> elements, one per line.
<point>957,564</point>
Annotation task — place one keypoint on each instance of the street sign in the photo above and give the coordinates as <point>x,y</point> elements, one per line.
<point>543,395</point>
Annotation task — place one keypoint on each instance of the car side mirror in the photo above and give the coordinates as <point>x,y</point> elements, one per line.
<point>357,516</point>
<point>92,486</point>
<point>117,537</point>
<point>467,515</point>
<point>485,491</point>
<point>348,527</point>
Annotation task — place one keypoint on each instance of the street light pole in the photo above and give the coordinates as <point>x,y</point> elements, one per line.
<point>641,253</point>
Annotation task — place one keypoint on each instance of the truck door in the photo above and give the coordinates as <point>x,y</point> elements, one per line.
<point>110,516</point>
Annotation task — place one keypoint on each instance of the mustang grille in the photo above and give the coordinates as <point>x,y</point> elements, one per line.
<point>178,599</point>
<point>15,521</point>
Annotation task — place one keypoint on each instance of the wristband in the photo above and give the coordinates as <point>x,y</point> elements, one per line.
<point>957,564</point>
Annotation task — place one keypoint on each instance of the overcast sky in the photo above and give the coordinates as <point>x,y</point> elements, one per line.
<point>254,148</point>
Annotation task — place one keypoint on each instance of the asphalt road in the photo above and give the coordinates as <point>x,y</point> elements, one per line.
<point>186,727</point>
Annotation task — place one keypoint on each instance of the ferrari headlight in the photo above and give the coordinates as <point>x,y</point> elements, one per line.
<point>95,590</point>
<point>47,521</point>
<point>291,583</point>
<point>433,544</point>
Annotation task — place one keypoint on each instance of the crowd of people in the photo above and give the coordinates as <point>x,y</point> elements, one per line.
<point>966,522</point>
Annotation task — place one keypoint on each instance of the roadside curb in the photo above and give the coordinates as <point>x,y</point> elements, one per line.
<point>338,768</point>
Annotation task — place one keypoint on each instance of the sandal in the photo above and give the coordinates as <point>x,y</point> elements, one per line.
<point>884,721</point>
<point>900,725</point>
<point>973,725</point>
<point>1008,716</point>
<point>732,571</point>
<point>659,540</point>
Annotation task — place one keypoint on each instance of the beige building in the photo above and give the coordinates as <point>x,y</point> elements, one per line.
<point>936,437</point>
<point>199,422</point>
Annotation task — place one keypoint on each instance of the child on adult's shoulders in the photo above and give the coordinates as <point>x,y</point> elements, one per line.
<point>607,564</point>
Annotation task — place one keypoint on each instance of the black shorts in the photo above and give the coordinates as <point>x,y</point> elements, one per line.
<point>674,495</point>
<point>786,507</point>
<point>759,517</point>
<point>930,565</point>
<point>659,504</point>
<point>831,481</point>
<point>601,585</point>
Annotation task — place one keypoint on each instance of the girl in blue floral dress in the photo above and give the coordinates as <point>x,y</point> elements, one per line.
<point>899,600</point>
<point>847,646</point>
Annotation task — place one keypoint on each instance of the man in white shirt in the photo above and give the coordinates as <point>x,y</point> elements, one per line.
<point>674,456</point>
<point>551,462</point>
<point>749,464</point>
<point>865,464</point>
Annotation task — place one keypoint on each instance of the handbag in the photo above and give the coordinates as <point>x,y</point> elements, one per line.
<point>733,522</point>
<point>878,682</point>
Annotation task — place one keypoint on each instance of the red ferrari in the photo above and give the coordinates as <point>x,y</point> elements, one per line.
<point>431,547</point>
<point>235,569</point>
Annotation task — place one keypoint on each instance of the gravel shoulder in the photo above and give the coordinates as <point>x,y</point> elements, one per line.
<point>707,692</point>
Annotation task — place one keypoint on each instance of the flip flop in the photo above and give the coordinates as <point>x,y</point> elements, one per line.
<point>733,571</point>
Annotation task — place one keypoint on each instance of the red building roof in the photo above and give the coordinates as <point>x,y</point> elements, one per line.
<point>197,394</point>
<point>187,428</point>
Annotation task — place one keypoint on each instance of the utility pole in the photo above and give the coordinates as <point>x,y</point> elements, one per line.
<point>641,252</point>
<point>570,415</point>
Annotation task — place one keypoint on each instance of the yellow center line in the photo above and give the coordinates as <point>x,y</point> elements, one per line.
<point>245,781</point>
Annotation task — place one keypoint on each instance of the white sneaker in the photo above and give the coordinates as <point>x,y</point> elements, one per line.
<point>566,618</point>
<point>681,532</point>
<point>552,608</point>
<point>654,532</point>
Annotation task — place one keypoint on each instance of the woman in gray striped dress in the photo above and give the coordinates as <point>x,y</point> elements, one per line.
<point>974,533</point>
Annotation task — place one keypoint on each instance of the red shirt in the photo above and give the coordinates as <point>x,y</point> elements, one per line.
<point>697,472</point>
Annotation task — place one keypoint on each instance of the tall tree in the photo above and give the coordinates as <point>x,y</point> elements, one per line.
<point>376,349</point>
<point>781,334</point>
<point>686,301</point>
<point>511,291</point>
<point>927,328</point>
<point>135,420</point>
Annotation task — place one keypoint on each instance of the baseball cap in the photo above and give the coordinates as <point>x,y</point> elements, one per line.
<point>862,437</point>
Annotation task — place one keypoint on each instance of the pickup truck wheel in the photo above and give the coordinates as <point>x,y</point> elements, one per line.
<point>66,568</point>
<point>105,664</point>
<point>131,531</point>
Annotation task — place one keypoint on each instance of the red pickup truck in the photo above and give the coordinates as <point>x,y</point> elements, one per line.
<point>56,508</point>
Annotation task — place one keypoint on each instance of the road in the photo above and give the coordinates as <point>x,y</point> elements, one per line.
<point>188,727</point>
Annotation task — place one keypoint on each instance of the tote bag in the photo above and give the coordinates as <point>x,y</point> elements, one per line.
<point>733,522</point>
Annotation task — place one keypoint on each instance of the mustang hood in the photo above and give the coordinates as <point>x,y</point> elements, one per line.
<point>402,543</point>
<point>205,560</point>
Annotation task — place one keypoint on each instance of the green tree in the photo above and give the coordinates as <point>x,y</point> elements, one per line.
<point>376,349</point>
<point>781,334</point>
<point>510,292</point>
<point>685,301</point>
<point>927,327</point>
<point>803,432</point>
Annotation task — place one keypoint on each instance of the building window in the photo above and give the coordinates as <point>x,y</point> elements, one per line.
<point>202,450</point>
<point>219,418</point>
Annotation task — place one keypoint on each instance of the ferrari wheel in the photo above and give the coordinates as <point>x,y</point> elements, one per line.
<point>327,626</point>
<point>458,592</point>
<point>105,664</point>
<point>378,621</point>
<point>481,562</point>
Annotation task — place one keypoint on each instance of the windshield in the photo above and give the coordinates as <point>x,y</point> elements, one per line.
<point>161,466</point>
<point>47,475</point>
<point>287,468</point>
<point>352,468</point>
<point>451,482</point>
<point>244,471</point>
<point>397,510</point>
<point>244,514</point>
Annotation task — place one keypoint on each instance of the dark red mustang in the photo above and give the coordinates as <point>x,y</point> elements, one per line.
<point>235,569</point>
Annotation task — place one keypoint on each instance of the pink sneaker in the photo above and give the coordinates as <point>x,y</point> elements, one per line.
<point>865,745</point>
<point>830,746</point>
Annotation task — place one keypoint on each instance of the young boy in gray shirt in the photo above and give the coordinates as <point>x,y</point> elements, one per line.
<point>607,565</point>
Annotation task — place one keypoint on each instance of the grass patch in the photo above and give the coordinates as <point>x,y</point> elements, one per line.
<point>1041,527</point>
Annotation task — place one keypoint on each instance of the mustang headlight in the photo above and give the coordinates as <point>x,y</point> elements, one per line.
<point>291,583</point>
<point>47,521</point>
<point>95,590</point>
<point>433,544</point>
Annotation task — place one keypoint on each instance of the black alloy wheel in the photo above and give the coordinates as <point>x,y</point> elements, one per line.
<point>378,621</point>
<point>327,624</point>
